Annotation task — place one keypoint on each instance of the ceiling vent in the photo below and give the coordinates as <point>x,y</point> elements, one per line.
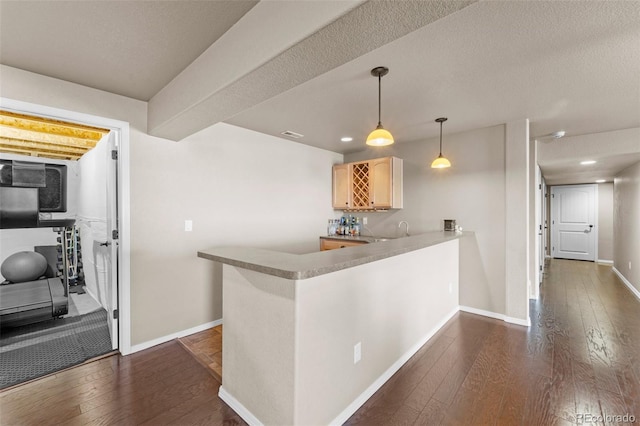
<point>291,134</point>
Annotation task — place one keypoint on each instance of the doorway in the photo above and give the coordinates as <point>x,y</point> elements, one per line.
<point>573,222</point>
<point>88,247</point>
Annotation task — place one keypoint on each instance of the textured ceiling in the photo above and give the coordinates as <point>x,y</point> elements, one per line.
<point>132,48</point>
<point>559,159</point>
<point>564,65</point>
<point>570,66</point>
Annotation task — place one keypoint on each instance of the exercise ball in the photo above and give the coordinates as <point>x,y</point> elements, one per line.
<point>23,266</point>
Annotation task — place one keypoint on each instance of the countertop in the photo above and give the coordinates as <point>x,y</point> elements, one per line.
<point>302,266</point>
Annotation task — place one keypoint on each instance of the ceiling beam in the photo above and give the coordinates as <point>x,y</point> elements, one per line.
<point>221,83</point>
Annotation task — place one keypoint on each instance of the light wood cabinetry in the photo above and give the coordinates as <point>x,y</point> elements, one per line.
<point>326,244</point>
<point>341,192</point>
<point>368,185</point>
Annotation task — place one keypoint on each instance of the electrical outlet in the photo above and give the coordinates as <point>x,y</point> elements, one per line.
<point>629,265</point>
<point>364,220</point>
<point>357,352</point>
<point>188,225</point>
<point>450,288</point>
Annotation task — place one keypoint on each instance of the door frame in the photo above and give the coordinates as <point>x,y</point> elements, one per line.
<point>596,203</point>
<point>123,194</point>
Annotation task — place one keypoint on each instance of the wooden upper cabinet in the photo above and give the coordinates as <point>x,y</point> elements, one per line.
<point>341,182</point>
<point>372,184</point>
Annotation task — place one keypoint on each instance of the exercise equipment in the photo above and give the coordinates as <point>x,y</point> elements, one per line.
<point>33,291</point>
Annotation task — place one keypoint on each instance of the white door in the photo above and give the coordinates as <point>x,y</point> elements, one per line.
<point>538,242</point>
<point>112,237</point>
<point>543,228</point>
<point>573,220</point>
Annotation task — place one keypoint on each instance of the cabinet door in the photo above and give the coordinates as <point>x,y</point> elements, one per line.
<point>341,190</point>
<point>337,244</point>
<point>381,182</point>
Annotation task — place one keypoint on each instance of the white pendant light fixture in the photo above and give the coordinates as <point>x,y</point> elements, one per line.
<point>380,136</point>
<point>440,162</point>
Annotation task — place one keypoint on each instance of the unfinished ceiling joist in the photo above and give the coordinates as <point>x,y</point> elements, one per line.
<point>44,137</point>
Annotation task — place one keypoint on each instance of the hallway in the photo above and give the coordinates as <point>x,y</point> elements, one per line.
<point>581,356</point>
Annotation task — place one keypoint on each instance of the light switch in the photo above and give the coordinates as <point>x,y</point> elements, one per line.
<point>188,225</point>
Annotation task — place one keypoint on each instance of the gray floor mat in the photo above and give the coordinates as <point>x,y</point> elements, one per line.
<point>34,350</point>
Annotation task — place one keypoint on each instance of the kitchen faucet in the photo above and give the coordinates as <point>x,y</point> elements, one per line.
<point>406,232</point>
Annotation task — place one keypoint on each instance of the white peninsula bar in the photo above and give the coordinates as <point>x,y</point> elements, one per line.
<point>308,338</point>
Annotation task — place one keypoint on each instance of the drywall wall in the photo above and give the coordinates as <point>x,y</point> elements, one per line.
<point>626,224</point>
<point>605,221</point>
<point>238,187</point>
<point>517,189</point>
<point>15,240</point>
<point>472,191</point>
<point>287,342</point>
<point>91,221</point>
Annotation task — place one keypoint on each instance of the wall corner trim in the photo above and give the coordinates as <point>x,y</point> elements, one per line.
<point>240,409</point>
<point>626,282</point>
<point>495,315</point>
<point>177,335</point>
<point>377,384</point>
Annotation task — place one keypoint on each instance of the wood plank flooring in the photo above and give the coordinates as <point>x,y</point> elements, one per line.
<point>158,386</point>
<point>580,356</point>
<point>206,346</point>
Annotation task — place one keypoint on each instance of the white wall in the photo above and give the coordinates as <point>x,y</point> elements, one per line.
<point>605,221</point>
<point>518,230</point>
<point>626,224</point>
<point>288,345</point>
<point>239,188</point>
<point>15,240</point>
<point>472,191</point>
<point>91,220</point>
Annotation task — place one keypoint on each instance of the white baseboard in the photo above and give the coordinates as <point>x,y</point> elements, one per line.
<point>518,321</point>
<point>377,384</point>
<point>605,262</point>
<point>177,335</point>
<point>240,409</point>
<point>626,282</point>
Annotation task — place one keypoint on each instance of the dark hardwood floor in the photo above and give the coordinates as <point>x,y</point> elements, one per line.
<point>158,386</point>
<point>580,356</point>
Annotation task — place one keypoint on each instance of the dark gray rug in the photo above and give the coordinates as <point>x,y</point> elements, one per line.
<point>35,350</point>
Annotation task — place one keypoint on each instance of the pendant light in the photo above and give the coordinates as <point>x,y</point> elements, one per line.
<point>440,162</point>
<point>380,136</point>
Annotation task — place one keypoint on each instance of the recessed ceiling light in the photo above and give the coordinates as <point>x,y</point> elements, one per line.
<point>346,139</point>
<point>558,134</point>
<point>601,181</point>
<point>587,162</point>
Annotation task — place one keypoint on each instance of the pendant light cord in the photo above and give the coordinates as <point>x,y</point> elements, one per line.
<point>440,139</point>
<point>379,100</point>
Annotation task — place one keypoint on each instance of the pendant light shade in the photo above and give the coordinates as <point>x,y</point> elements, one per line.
<point>441,162</point>
<point>380,136</point>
